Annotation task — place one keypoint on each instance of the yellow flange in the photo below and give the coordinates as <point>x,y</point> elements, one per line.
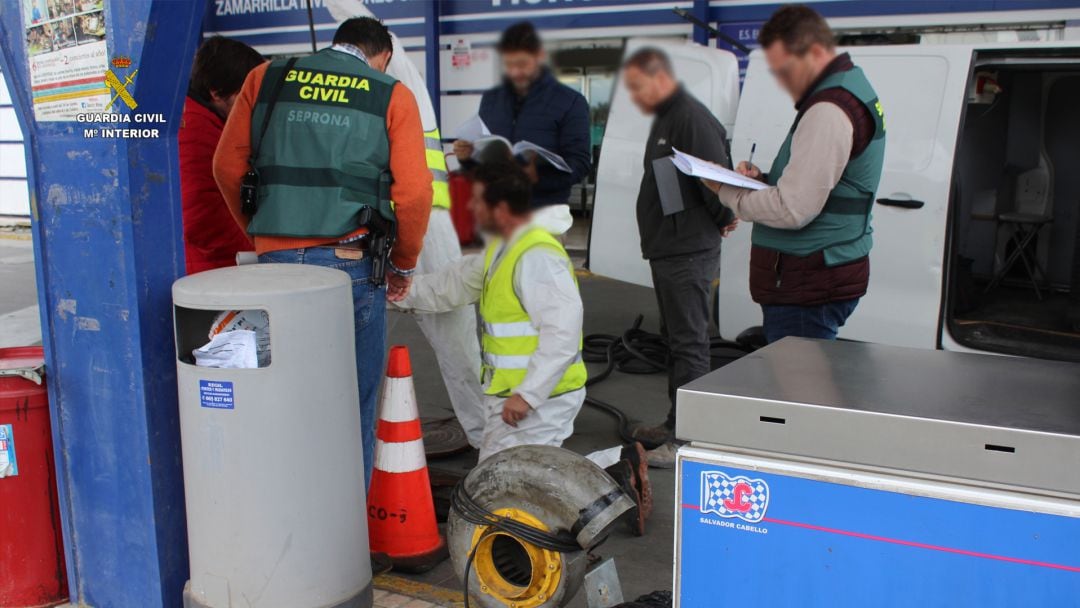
<point>493,553</point>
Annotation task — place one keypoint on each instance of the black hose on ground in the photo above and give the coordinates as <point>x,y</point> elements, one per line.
<point>636,351</point>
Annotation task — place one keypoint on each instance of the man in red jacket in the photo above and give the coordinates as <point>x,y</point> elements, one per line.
<point>211,235</point>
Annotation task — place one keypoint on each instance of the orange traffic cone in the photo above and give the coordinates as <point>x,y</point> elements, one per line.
<point>401,512</point>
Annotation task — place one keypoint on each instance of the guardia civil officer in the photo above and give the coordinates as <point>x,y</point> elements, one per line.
<point>332,140</point>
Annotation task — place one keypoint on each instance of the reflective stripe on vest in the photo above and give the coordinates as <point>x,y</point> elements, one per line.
<point>325,156</point>
<point>509,338</point>
<point>436,161</point>
<point>510,330</point>
<point>516,362</point>
<point>842,230</point>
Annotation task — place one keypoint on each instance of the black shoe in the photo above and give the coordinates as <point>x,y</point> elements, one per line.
<point>380,563</point>
<point>653,436</point>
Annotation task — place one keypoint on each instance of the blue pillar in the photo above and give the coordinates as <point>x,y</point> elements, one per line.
<point>701,11</point>
<point>107,238</point>
<point>432,50</point>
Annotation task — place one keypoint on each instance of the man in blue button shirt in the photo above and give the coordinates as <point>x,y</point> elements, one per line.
<point>531,105</point>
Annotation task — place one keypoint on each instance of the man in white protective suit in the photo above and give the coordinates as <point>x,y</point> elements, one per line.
<point>452,334</point>
<point>533,374</point>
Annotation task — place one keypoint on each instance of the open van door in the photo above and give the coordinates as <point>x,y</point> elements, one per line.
<point>922,90</point>
<point>711,75</point>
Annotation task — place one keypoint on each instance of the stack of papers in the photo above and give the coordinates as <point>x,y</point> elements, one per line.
<point>488,147</point>
<point>472,129</point>
<point>696,167</point>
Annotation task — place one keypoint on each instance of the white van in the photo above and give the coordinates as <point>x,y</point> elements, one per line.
<point>983,156</point>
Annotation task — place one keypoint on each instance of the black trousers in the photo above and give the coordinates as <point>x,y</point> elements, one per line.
<point>683,284</point>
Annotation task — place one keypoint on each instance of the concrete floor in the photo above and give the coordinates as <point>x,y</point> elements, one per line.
<point>644,563</point>
<point>20,323</point>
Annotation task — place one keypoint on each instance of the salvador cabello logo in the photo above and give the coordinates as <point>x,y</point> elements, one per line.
<point>734,497</point>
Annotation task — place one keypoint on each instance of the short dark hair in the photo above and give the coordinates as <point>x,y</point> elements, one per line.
<point>650,60</point>
<point>221,65</point>
<point>798,27</point>
<point>520,37</point>
<point>505,181</point>
<point>365,33</point>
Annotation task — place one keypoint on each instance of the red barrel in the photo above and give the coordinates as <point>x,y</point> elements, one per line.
<point>460,192</point>
<point>32,570</point>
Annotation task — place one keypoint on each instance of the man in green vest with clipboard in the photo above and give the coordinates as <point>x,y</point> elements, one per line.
<point>812,234</point>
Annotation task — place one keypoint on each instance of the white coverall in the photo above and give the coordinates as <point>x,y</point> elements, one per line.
<point>545,285</point>
<point>451,332</point>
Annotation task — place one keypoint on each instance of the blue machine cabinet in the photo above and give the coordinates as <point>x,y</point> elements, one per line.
<point>829,487</point>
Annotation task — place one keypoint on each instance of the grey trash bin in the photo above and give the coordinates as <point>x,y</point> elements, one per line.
<point>273,464</point>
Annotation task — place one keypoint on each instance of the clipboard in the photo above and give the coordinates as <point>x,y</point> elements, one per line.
<point>670,185</point>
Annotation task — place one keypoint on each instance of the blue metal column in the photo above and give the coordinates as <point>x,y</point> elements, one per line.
<point>107,239</point>
<point>701,11</point>
<point>432,50</point>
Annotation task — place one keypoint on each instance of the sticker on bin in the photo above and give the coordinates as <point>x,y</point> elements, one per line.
<point>216,394</point>
<point>8,466</point>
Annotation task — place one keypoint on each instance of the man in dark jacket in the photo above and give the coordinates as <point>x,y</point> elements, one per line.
<point>683,247</point>
<point>531,105</point>
<point>211,236</point>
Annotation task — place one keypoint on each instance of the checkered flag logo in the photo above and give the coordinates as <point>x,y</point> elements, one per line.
<point>734,497</point>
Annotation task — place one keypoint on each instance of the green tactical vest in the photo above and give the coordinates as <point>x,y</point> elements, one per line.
<point>842,229</point>
<point>509,339</point>
<point>326,155</point>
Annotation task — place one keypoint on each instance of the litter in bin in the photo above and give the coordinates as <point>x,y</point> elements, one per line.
<point>231,349</point>
<point>251,320</point>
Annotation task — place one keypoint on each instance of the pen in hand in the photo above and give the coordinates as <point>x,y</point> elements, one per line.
<point>747,167</point>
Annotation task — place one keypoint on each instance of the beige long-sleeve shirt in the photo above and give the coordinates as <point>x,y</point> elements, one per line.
<point>820,149</point>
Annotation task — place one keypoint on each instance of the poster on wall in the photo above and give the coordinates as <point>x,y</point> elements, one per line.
<point>66,49</point>
<point>461,57</point>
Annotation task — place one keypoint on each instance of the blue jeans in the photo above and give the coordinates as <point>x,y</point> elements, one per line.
<point>822,321</point>
<point>369,308</point>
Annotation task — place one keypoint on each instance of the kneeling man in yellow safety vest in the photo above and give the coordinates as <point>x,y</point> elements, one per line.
<point>532,373</point>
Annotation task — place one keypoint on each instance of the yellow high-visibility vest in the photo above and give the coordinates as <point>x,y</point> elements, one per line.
<point>509,338</point>
<point>436,161</point>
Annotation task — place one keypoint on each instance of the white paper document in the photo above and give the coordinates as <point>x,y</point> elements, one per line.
<point>606,458</point>
<point>472,129</point>
<point>696,167</point>
<point>229,349</point>
<point>496,147</point>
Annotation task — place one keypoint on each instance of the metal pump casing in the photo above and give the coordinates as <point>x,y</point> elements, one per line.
<point>546,487</point>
